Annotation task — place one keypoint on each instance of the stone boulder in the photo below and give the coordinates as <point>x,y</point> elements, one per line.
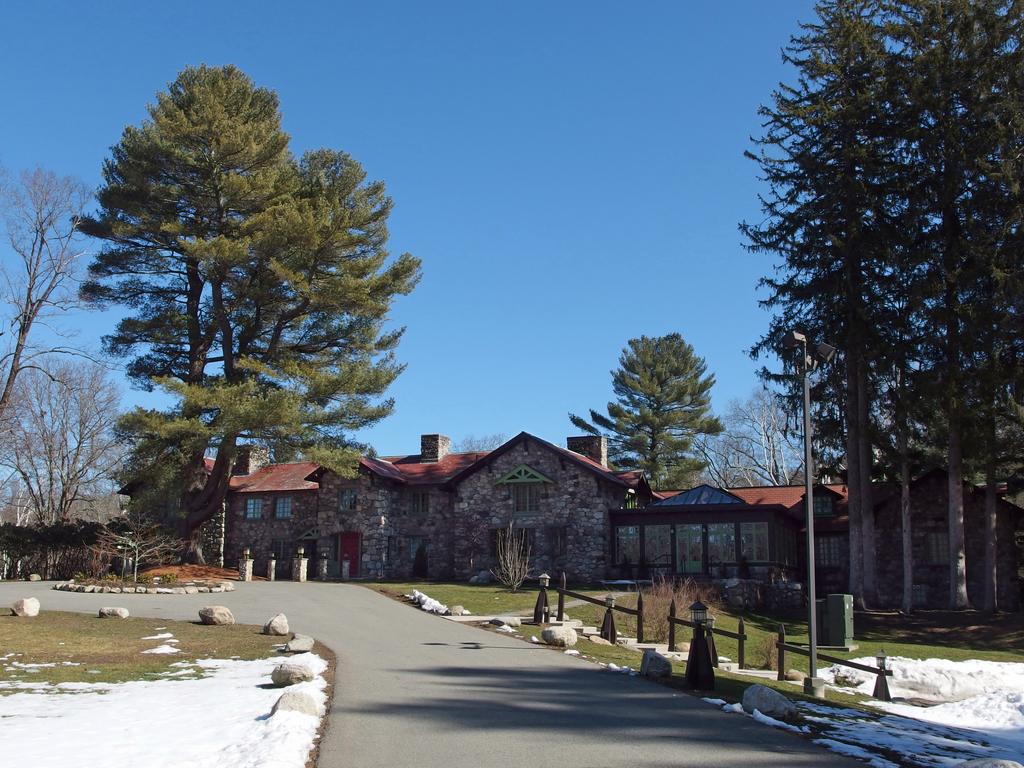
<point>598,640</point>
<point>299,644</point>
<point>769,702</point>
<point>654,664</point>
<point>296,701</point>
<point>562,637</point>
<point>34,577</point>
<point>458,610</point>
<point>216,614</point>
<point>484,577</point>
<point>795,675</point>
<point>508,621</point>
<point>26,607</point>
<point>290,674</point>
<point>111,613</point>
<point>277,625</point>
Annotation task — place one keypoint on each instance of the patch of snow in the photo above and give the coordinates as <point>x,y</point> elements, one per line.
<point>161,636</point>
<point>165,648</point>
<point>766,720</point>
<point>998,717</point>
<point>41,665</point>
<point>427,603</point>
<point>737,707</point>
<point>716,702</point>
<point>533,639</point>
<point>571,652</point>
<point>92,727</point>
<point>921,743</point>
<point>938,680</point>
<point>505,628</point>
<point>853,751</point>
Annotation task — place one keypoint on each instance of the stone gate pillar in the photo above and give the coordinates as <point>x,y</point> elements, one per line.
<point>271,567</point>
<point>299,563</point>
<point>245,566</point>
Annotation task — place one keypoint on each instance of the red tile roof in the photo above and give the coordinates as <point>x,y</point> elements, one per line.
<point>416,472</point>
<point>278,477</point>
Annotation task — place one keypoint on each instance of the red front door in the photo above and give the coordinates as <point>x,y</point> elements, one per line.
<point>348,551</point>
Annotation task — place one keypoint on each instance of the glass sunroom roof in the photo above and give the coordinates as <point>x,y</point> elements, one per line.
<point>702,494</point>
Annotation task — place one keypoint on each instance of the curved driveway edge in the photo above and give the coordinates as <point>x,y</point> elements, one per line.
<point>415,690</point>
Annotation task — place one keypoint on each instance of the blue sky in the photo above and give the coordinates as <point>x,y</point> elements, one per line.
<point>571,173</point>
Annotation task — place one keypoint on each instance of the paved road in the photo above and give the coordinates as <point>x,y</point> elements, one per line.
<point>416,691</point>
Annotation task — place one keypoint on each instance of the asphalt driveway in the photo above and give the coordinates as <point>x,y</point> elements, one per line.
<point>415,690</point>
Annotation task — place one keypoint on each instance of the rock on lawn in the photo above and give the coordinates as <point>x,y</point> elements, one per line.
<point>290,674</point>
<point>216,614</point>
<point>655,665</point>
<point>299,644</point>
<point>296,701</point>
<point>110,613</point>
<point>563,637</point>
<point>26,607</point>
<point>277,625</point>
<point>768,701</point>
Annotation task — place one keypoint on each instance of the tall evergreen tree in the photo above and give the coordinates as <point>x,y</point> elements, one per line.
<point>662,403</point>
<point>826,156</point>
<point>959,62</point>
<point>257,286</point>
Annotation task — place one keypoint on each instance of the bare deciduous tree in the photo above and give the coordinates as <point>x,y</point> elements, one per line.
<point>757,447</point>
<point>513,558</point>
<point>135,540</point>
<point>61,445</point>
<point>41,214</point>
<point>474,443</point>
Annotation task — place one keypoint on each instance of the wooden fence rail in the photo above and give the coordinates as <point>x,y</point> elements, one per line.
<point>881,691</point>
<point>608,630</point>
<point>740,636</point>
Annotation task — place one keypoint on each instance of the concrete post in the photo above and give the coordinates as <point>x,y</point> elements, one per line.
<point>245,566</point>
<point>321,571</point>
<point>271,568</point>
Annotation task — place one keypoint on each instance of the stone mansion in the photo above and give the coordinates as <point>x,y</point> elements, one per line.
<point>438,514</point>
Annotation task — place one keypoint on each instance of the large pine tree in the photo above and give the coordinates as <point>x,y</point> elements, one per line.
<point>257,286</point>
<point>662,403</point>
<point>825,156</point>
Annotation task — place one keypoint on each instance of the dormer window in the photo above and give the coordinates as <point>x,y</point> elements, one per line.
<point>824,505</point>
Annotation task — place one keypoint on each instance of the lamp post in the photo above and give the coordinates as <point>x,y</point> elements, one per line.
<point>700,674</point>
<point>809,360</point>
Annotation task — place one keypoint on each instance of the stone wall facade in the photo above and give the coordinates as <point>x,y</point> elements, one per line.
<point>435,529</point>
<point>269,533</point>
<point>569,527</point>
<point>931,558</point>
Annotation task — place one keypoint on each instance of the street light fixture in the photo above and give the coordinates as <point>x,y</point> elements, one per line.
<point>809,361</point>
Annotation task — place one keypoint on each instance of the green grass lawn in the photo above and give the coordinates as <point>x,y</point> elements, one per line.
<point>89,649</point>
<point>478,599</point>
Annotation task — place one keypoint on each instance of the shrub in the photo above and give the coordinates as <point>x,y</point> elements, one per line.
<point>766,653</point>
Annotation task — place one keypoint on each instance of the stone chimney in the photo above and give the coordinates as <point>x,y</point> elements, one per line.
<point>433,448</point>
<point>250,458</point>
<point>591,446</point>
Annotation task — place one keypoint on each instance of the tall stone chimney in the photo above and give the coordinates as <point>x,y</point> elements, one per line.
<point>433,448</point>
<point>250,458</point>
<point>591,446</point>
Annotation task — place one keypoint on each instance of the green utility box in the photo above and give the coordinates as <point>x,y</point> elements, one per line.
<point>835,620</point>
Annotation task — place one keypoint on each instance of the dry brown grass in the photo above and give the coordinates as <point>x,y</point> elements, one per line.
<point>110,650</point>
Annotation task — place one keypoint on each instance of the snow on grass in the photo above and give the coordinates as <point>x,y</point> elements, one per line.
<point>161,636</point>
<point>571,652</point>
<point>219,721</point>
<point>848,749</point>
<point>427,603</point>
<point>911,741</point>
<point>165,648</point>
<point>938,680</point>
<point>980,709</point>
